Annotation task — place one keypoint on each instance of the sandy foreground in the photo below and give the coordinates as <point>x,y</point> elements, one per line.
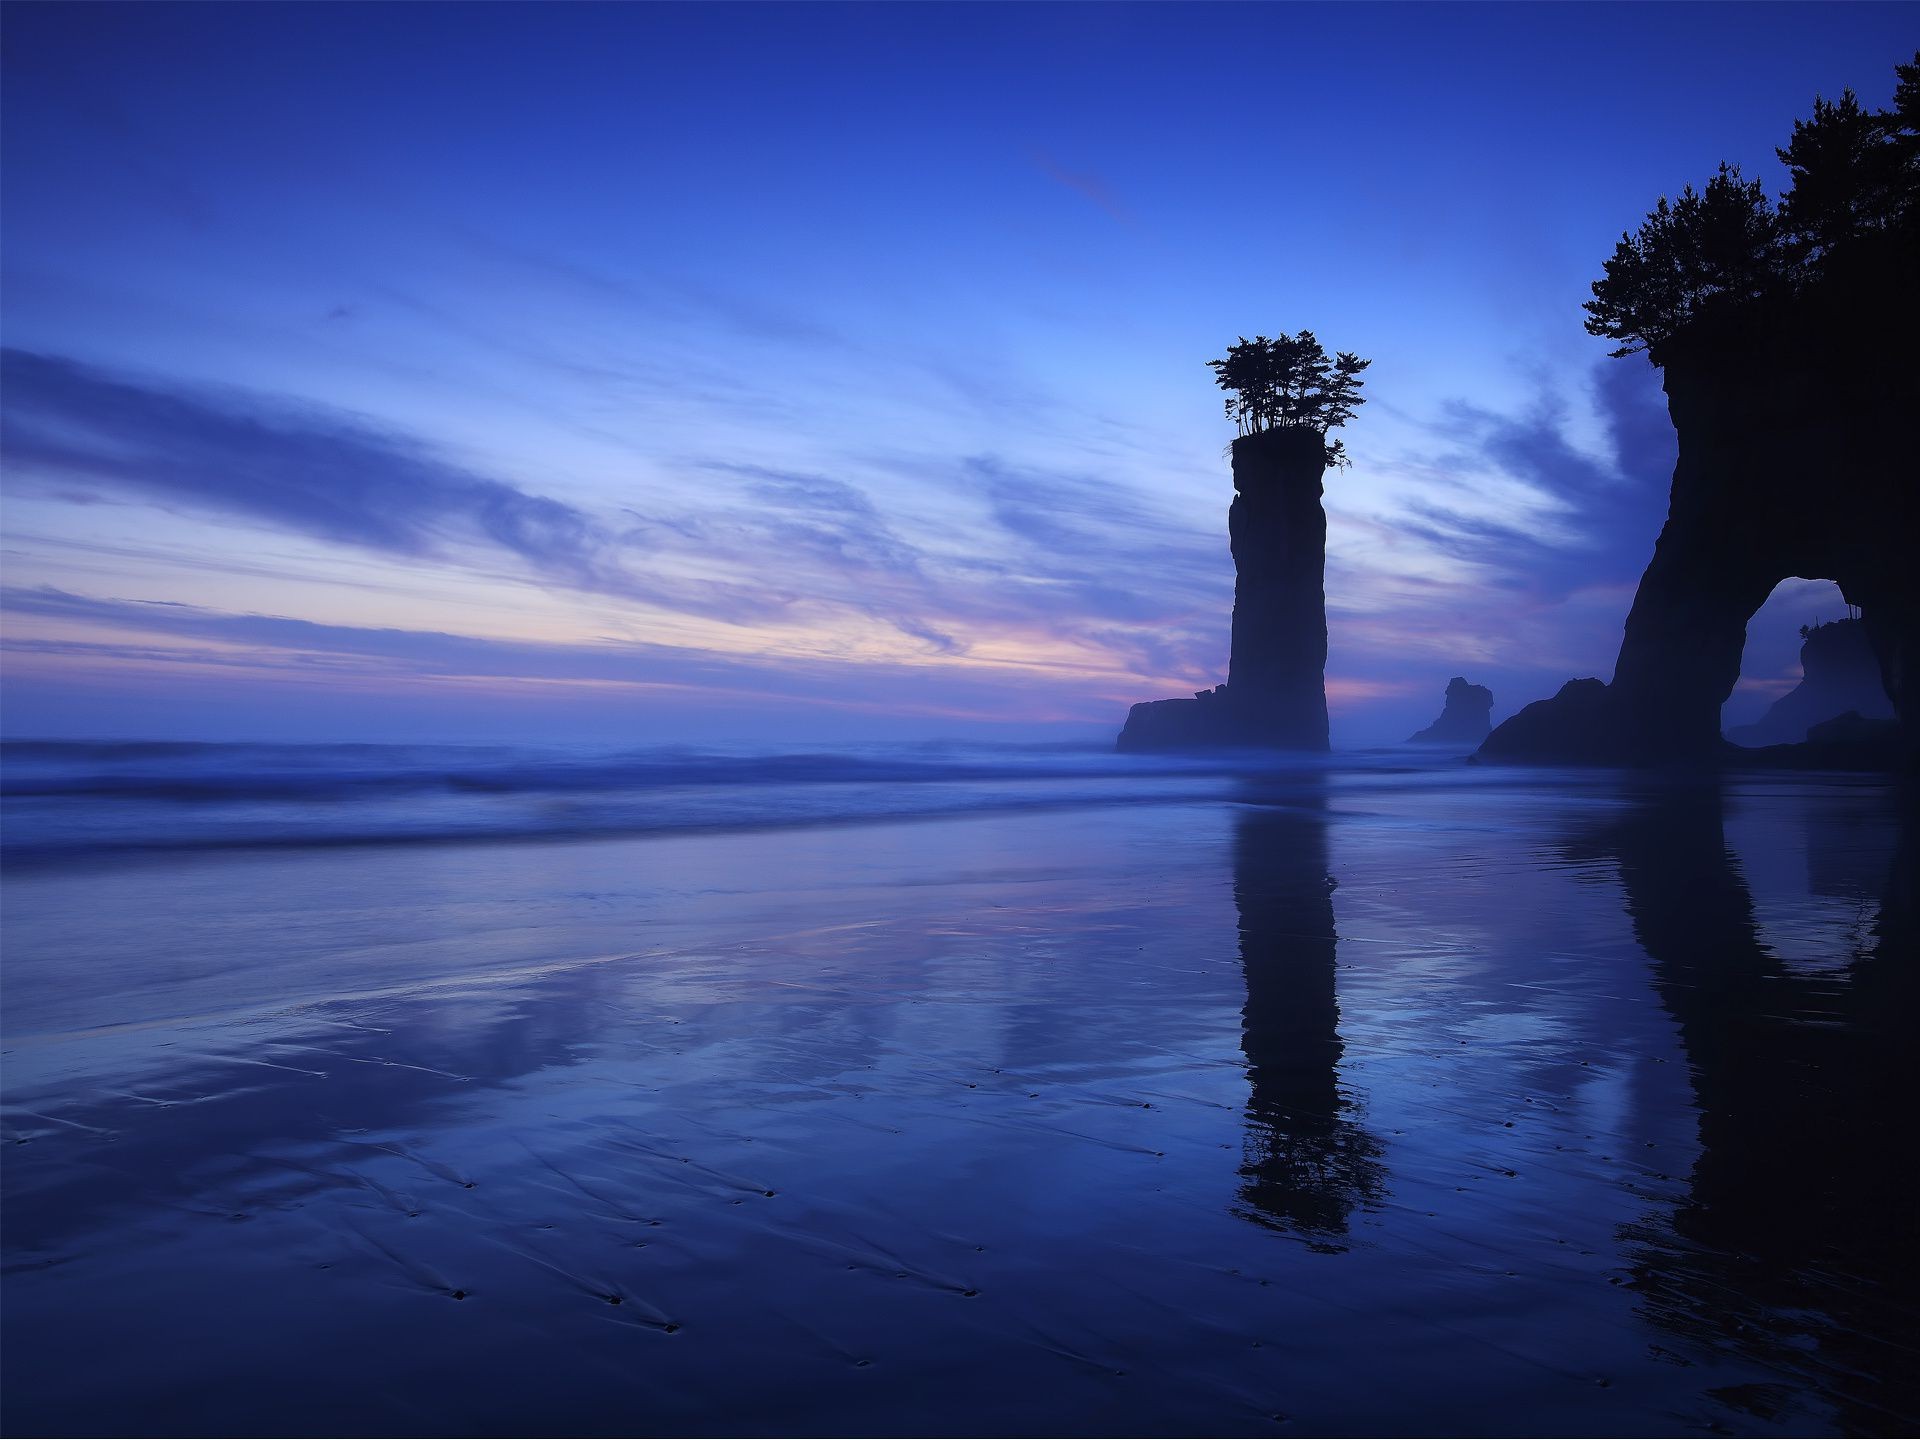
<point>1313,1110</point>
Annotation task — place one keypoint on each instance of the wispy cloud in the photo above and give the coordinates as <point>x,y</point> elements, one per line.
<point>97,630</point>
<point>309,470</point>
<point>1509,544</point>
<point>338,478</point>
<point>1084,183</point>
<point>1551,515</point>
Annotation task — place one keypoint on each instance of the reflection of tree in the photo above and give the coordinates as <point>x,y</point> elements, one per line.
<point>1307,1161</point>
<point>1799,1243</point>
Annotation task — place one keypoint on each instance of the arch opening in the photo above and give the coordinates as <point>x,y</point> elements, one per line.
<point>1807,660</point>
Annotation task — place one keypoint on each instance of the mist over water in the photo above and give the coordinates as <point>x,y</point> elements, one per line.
<point>68,800</point>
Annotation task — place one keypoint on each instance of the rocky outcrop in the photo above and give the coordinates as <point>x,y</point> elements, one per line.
<point>1840,675</point>
<point>1795,460</point>
<point>1195,724</point>
<point>1846,742</point>
<point>1276,691</point>
<point>1573,723</point>
<point>1465,720</point>
<point>1277,676</point>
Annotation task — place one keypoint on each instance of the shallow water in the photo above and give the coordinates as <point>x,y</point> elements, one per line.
<point>1378,1100</point>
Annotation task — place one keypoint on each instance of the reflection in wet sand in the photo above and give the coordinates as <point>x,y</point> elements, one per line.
<point>807,1131</point>
<point>1308,1162</point>
<point>1798,1245</point>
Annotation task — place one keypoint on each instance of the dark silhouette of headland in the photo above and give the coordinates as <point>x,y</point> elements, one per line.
<point>1285,395</point>
<point>1465,719</point>
<point>1786,338</point>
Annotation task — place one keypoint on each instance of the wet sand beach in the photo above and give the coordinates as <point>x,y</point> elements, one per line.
<point>1382,1102</point>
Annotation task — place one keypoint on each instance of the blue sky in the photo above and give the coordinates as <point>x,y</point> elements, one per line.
<point>603,372</point>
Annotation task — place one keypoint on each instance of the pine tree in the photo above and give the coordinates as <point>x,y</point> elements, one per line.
<point>1290,382</point>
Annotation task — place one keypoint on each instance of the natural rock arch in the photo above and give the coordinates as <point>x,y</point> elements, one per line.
<point>1796,459</point>
<point>1786,335</point>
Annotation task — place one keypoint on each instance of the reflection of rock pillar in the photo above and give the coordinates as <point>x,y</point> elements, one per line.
<point>1277,677</point>
<point>1805,1087</point>
<point>1307,1163</point>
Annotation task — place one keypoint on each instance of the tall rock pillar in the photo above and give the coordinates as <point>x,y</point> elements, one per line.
<point>1277,676</point>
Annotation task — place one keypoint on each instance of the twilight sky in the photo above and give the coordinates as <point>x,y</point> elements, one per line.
<point>657,373</point>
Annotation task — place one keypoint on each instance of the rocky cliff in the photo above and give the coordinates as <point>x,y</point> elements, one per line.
<point>1276,692</point>
<point>1840,675</point>
<point>1465,719</point>
<point>1796,459</point>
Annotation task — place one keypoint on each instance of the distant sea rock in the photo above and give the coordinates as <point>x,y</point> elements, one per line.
<point>1466,719</point>
<point>1841,675</point>
<point>1572,727</point>
<point>1202,723</point>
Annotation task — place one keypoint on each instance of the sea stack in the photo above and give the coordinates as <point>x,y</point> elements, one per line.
<point>1284,395</point>
<point>1276,691</point>
<point>1465,719</point>
<point>1277,671</point>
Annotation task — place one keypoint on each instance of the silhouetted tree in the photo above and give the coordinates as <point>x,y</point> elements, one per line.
<point>1710,250</point>
<point>1845,177</point>
<point>1850,216</point>
<point>1290,381</point>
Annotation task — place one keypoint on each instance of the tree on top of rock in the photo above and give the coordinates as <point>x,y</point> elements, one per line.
<point>1849,222</point>
<point>1290,382</point>
<point>1711,250</point>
